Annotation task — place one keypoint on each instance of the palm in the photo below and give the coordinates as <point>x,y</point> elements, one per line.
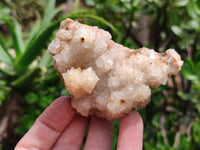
<point>59,127</point>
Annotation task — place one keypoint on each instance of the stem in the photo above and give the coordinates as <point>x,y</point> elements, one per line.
<point>10,114</point>
<point>163,130</point>
<point>175,84</point>
<point>128,29</point>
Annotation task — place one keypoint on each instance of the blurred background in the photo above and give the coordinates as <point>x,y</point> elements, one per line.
<point>29,82</point>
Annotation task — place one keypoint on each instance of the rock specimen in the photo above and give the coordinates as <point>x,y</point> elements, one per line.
<point>105,78</point>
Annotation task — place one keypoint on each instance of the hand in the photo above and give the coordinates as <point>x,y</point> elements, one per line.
<point>59,127</point>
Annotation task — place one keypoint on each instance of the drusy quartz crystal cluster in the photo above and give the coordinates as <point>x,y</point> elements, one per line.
<point>105,78</point>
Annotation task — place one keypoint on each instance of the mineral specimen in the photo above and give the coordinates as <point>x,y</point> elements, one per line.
<point>103,77</point>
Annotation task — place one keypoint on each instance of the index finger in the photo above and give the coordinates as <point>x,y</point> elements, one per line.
<point>131,132</point>
<point>48,126</point>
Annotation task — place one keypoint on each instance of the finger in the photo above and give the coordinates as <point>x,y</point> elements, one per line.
<point>99,135</point>
<point>73,135</point>
<point>48,126</point>
<point>131,132</point>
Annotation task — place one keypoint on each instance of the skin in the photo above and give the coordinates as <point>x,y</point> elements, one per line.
<point>59,127</point>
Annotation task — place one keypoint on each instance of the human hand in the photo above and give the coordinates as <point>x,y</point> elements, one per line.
<point>60,127</point>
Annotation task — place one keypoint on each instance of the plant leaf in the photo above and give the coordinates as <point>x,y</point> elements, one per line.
<point>82,13</point>
<point>181,3</point>
<point>75,7</point>
<point>197,57</point>
<point>177,30</point>
<point>16,33</point>
<point>196,7</point>
<point>46,60</point>
<point>34,31</point>
<point>100,19</point>
<point>7,71</point>
<point>4,55</point>
<point>197,68</point>
<point>3,45</point>
<point>188,71</point>
<point>186,96</point>
<point>190,10</point>
<point>50,12</point>
<point>34,48</point>
<point>26,78</point>
<point>5,58</point>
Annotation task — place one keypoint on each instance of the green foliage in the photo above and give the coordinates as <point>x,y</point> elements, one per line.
<point>24,10</point>
<point>195,132</point>
<point>16,33</point>
<point>41,96</point>
<point>17,73</point>
<point>115,133</point>
<point>191,72</point>
<point>22,71</point>
<point>171,120</point>
<point>4,90</point>
<point>25,66</point>
<point>171,24</point>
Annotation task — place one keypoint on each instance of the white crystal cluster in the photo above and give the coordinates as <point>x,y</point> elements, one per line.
<point>105,78</point>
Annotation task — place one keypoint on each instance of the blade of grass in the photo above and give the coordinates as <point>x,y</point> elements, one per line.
<point>16,33</point>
